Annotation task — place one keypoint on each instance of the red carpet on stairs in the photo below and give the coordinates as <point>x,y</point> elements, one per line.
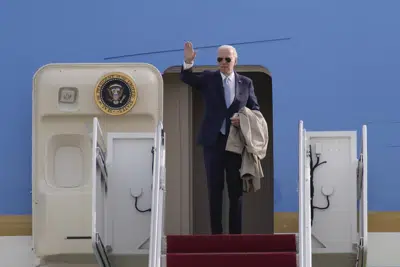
<point>231,251</point>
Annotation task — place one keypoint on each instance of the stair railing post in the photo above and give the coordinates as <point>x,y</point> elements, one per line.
<point>302,203</point>
<point>307,206</point>
<point>157,204</point>
<point>363,200</point>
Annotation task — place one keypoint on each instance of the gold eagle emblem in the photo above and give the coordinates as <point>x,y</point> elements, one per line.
<point>115,93</point>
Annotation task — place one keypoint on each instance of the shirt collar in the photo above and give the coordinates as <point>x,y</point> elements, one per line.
<point>231,76</point>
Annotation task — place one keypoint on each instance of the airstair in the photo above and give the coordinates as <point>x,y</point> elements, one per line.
<point>175,250</point>
<point>100,188</point>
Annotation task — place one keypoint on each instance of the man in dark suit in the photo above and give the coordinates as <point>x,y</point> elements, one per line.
<point>224,92</point>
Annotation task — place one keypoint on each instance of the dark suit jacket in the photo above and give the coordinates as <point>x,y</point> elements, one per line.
<point>209,83</point>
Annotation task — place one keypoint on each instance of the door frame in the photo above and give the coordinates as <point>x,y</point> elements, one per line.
<point>187,210</point>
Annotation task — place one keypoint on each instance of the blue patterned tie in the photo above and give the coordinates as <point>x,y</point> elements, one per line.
<point>227,92</point>
<point>227,102</point>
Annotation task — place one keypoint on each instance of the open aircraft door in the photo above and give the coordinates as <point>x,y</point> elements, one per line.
<point>92,185</point>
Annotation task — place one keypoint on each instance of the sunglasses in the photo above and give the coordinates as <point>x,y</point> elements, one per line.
<point>227,59</point>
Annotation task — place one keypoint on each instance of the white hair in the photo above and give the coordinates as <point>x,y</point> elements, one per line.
<point>230,48</point>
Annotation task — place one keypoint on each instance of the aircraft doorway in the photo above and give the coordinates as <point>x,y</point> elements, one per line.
<point>186,203</point>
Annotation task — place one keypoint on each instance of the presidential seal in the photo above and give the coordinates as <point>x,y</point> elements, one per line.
<point>115,93</point>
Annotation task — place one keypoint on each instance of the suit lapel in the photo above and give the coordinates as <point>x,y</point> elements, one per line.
<point>221,92</point>
<point>237,86</point>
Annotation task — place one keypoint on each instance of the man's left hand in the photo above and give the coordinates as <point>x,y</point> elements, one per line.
<point>235,121</point>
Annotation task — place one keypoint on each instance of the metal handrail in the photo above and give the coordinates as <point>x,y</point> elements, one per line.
<point>305,248</point>
<point>158,199</point>
<point>301,185</point>
<point>307,209</point>
<point>362,178</point>
<point>98,163</point>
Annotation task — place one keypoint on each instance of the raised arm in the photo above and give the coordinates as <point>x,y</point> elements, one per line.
<point>187,75</point>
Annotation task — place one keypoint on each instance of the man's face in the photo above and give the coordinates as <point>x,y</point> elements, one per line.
<point>226,60</point>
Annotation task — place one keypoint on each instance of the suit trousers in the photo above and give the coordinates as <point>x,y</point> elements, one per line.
<point>217,161</point>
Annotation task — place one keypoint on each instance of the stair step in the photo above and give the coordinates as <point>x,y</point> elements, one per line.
<point>251,259</point>
<point>230,243</point>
